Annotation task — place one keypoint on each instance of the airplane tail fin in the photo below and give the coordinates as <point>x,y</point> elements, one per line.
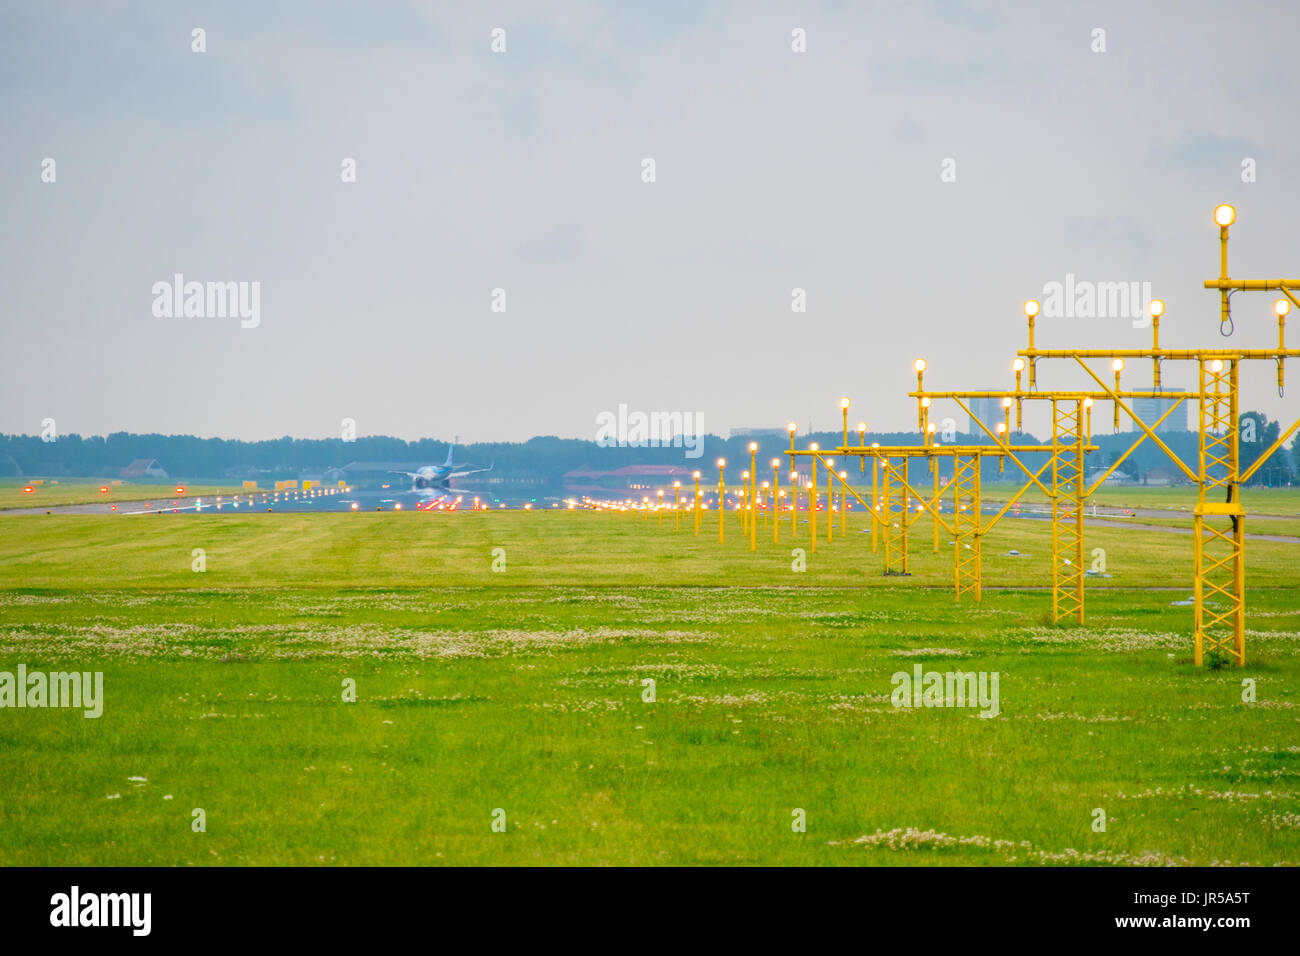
<point>450,449</point>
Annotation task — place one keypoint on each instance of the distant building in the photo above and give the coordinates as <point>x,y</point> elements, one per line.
<point>1150,410</point>
<point>758,433</point>
<point>143,468</point>
<point>987,410</point>
<point>1117,477</point>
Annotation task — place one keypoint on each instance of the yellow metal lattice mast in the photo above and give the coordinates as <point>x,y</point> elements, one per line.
<point>934,515</point>
<point>966,523</point>
<point>812,503</point>
<point>875,502</point>
<point>1219,519</point>
<point>896,517</point>
<point>1067,510</point>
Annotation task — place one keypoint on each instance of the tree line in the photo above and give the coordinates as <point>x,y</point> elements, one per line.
<point>545,459</point>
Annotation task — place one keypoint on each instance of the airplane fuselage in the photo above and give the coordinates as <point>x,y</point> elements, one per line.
<point>432,478</point>
<point>435,480</point>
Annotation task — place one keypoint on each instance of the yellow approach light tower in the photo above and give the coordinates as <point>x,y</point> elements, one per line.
<point>696,508</point>
<point>967,526</point>
<point>1071,440</point>
<point>1066,492</point>
<point>722,500</point>
<point>776,500</point>
<point>1219,519</point>
<point>812,503</point>
<point>794,485</point>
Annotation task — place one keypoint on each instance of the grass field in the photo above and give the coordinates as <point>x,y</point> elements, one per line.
<point>522,691</point>
<point>1283,502</point>
<point>83,491</point>
<point>1289,527</point>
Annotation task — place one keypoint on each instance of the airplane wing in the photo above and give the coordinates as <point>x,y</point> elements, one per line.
<point>472,471</point>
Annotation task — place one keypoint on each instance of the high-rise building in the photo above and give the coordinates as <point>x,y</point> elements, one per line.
<point>987,410</point>
<point>1150,410</point>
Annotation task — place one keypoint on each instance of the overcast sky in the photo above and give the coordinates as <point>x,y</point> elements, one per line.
<point>523,171</point>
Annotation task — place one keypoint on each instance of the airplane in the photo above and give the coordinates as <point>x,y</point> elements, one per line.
<point>434,481</point>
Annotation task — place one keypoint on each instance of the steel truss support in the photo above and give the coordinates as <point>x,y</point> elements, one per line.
<point>1219,519</point>
<point>966,524</point>
<point>895,515</point>
<point>1067,509</point>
